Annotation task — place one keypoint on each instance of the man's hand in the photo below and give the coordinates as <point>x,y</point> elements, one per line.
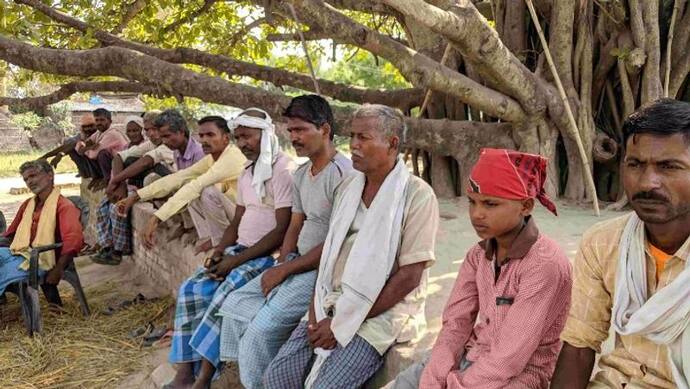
<point>320,335</point>
<point>123,206</point>
<point>221,269</point>
<point>56,160</point>
<point>272,278</point>
<point>214,259</point>
<point>118,194</point>
<point>54,275</point>
<point>149,233</point>
<point>112,187</point>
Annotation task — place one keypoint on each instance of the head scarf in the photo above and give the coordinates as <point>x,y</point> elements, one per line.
<point>263,167</point>
<point>136,119</point>
<point>512,175</point>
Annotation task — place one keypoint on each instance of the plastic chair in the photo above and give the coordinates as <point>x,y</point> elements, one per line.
<point>27,290</point>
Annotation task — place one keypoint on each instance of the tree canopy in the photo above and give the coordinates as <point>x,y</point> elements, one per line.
<point>480,63</point>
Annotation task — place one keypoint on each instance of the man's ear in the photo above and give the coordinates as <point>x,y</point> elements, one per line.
<point>394,143</point>
<point>326,128</point>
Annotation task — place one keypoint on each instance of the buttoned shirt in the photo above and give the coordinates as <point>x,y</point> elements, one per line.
<point>505,320</point>
<point>192,154</point>
<point>635,361</point>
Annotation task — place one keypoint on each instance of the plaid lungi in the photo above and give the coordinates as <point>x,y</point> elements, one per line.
<point>346,367</point>
<point>112,229</point>
<point>256,326</point>
<point>197,325</point>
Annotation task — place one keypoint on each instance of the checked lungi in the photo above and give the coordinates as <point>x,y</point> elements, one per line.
<point>346,367</point>
<point>197,325</point>
<point>112,229</point>
<point>256,326</point>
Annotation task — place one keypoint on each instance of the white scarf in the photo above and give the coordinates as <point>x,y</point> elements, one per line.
<point>370,261</point>
<point>665,317</point>
<point>263,167</point>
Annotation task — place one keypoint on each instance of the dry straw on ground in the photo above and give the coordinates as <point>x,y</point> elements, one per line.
<point>73,351</point>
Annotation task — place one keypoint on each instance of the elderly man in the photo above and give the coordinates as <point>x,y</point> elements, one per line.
<point>633,271</point>
<point>371,284</point>
<point>264,199</point>
<point>44,219</point>
<point>86,128</point>
<point>206,189</point>
<point>114,230</point>
<point>102,147</point>
<point>259,317</point>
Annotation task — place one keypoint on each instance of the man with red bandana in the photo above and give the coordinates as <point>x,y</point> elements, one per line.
<point>503,319</point>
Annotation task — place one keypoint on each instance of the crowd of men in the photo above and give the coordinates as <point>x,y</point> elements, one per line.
<point>315,271</point>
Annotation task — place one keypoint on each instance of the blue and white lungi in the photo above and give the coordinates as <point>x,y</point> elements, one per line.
<point>197,325</point>
<point>9,268</point>
<point>256,326</point>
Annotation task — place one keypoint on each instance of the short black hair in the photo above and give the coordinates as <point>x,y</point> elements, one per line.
<point>173,119</point>
<point>660,117</point>
<point>102,112</point>
<point>313,109</point>
<point>217,120</point>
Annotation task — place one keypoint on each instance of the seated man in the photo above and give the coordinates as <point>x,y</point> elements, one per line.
<point>373,271</point>
<point>114,231</point>
<point>134,126</point>
<point>632,271</point>
<point>101,147</point>
<point>86,129</point>
<point>516,281</point>
<point>264,199</point>
<point>206,189</point>
<point>44,219</point>
<point>256,322</point>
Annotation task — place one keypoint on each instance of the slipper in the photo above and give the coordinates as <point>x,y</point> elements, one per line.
<point>141,331</point>
<point>155,335</point>
<point>165,341</point>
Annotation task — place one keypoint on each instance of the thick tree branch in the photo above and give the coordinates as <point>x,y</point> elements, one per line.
<point>162,78</point>
<point>469,32</point>
<point>416,67</point>
<point>651,74</point>
<point>65,91</point>
<point>404,99</point>
<point>132,11</point>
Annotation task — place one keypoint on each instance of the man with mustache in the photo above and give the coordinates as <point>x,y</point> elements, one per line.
<point>44,219</point>
<point>371,283</point>
<point>260,316</point>
<point>633,271</point>
<point>264,200</point>
<point>206,189</point>
<point>102,146</point>
<point>86,128</point>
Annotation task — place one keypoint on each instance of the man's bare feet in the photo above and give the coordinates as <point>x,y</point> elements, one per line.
<point>204,247</point>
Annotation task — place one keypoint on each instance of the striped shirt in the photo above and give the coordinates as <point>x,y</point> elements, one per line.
<point>635,360</point>
<point>505,320</point>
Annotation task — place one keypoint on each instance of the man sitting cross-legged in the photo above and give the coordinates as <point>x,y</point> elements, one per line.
<point>114,231</point>
<point>510,301</point>
<point>87,127</point>
<point>259,317</point>
<point>371,285</point>
<point>207,188</point>
<point>264,199</point>
<point>44,219</point>
<point>633,272</point>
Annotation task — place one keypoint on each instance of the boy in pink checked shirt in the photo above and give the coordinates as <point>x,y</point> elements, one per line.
<point>503,319</point>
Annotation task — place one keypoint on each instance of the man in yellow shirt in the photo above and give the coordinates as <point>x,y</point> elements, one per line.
<point>632,272</point>
<point>206,188</point>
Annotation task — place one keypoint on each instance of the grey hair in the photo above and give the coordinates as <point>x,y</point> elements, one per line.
<point>40,164</point>
<point>151,116</point>
<point>391,120</point>
<point>173,119</point>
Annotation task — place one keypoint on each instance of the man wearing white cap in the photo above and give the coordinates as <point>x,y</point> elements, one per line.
<point>264,202</point>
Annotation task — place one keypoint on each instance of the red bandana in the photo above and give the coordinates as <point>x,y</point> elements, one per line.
<point>512,175</point>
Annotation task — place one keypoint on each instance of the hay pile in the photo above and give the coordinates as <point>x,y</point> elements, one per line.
<point>73,351</point>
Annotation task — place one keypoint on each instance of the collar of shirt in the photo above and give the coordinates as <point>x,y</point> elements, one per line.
<point>682,253</point>
<point>193,147</point>
<point>520,247</point>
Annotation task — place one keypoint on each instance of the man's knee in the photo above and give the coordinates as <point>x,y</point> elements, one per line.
<point>209,195</point>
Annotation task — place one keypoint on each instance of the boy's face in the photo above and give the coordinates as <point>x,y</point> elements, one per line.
<point>493,217</point>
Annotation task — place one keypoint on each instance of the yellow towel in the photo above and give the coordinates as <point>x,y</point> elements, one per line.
<point>45,233</point>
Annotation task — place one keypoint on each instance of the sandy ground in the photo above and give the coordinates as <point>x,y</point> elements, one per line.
<point>454,238</point>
